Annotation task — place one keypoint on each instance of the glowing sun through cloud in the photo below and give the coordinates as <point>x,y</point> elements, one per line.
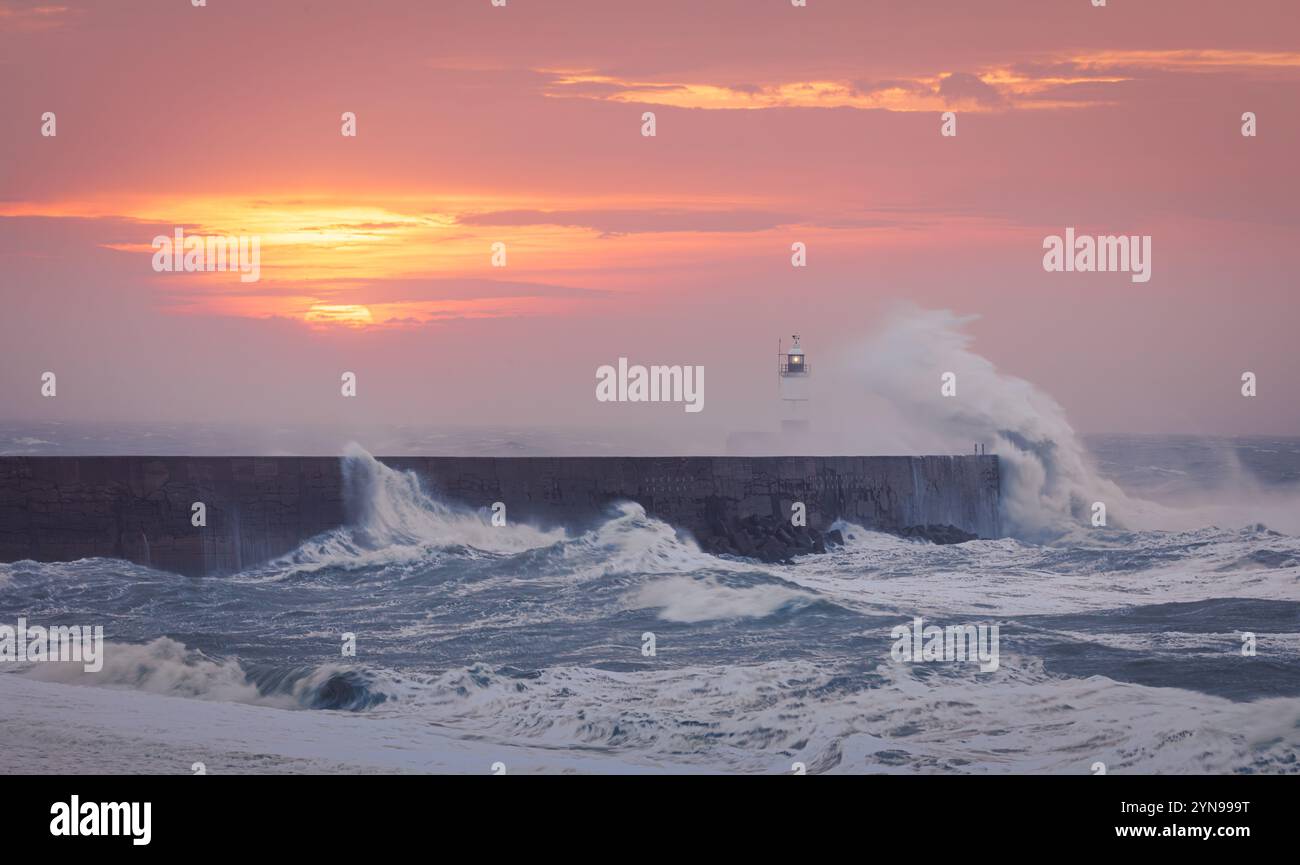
<point>351,314</point>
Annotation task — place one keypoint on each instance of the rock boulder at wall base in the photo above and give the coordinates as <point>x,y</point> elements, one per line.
<point>768,539</point>
<point>773,540</point>
<point>938,534</point>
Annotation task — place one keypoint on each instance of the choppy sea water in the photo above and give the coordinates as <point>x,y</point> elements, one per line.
<point>479,645</point>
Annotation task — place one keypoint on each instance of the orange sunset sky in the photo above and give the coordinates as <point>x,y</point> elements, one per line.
<point>522,125</point>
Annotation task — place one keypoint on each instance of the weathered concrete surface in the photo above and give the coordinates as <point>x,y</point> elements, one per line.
<point>139,508</point>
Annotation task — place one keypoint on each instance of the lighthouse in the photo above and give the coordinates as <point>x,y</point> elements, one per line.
<point>792,382</point>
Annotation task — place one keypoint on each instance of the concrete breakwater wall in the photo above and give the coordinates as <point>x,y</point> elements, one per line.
<point>139,508</point>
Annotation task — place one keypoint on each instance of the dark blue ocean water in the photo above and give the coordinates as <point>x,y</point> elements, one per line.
<point>1122,645</point>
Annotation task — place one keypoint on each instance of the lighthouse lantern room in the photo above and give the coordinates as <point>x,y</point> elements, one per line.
<point>793,361</point>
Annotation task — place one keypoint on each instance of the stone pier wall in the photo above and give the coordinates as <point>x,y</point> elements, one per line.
<point>139,508</point>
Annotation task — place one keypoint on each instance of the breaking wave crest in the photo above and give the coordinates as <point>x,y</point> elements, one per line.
<point>166,667</point>
<point>392,519</point>
<point>1049,480</point>
<point>683,599</point>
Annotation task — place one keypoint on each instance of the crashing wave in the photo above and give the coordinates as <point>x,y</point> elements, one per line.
<point>168,668</point>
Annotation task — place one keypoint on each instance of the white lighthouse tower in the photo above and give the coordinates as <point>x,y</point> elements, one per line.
<point>792,381</point>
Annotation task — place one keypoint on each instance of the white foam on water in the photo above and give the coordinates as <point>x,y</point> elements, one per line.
<point>875,572</point>
<point>686,599</point>
<point>166,667</point>
<point>163,666</point>
<point>756,718</point>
